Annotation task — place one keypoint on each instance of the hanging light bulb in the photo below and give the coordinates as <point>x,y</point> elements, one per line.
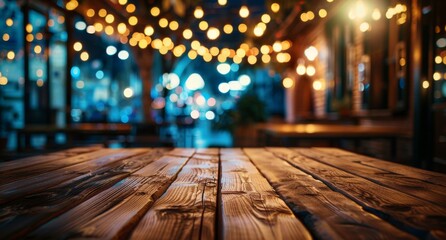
<point>244,11</point>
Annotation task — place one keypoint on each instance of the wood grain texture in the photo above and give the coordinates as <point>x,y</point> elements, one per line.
<point>111,213</point>
<point>8,167</point>
<point>411,214</point>
<point>35,183</point>
<point>328,214</point>
<point>187,209</point>
<point>250,209</point>
<point>431,192</point>
<point>19,217</point>
<point>424,175</point>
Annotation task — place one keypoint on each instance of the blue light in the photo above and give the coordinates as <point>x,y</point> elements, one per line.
<point>75,72</point>
<point>124,118</point>
<point>234,67</point>
<point>99,74</point>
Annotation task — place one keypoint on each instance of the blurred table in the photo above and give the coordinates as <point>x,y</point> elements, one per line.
<point>73,132</point>
<point>251,193</point>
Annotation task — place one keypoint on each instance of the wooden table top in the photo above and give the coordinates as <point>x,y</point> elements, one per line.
<point>333,130</point>
<point>251,193</point>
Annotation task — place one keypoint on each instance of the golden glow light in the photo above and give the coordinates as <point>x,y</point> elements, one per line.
<point>90,12</point>
<point>148,30</point>
<point>198,13</point>
<point>109,30</point>
<point>133,20</point>
<point>122,2</point>
<point>277,46</point>
<point>187,33</point>
<point>425,84</point>
<point>222,2</point>
<point>438,60</point>
<point>301,69</point>
<point>155,11</point>
<point>264,49</point>
<point>29,27</point>
<point>266,18</point>
<point>311,71</point>
<point>266,58</point>
<point>242,28</point>
<point>364,27</point>
<point>311,53</point>
<point>244,11</point>
<point>376,14</point>
<point>203,25</point>
<point>10,55</point>
<point>102,12</point>
<point>122,28</point>
<point>213,33</point>
<point>288,82</point>
<point>303,17</point>
<point>71,5</point>
<point>322,13</point>
<point>275,7</point>
<point>29,37</point>
<point>39,82</point>
<point>5,37</point>
<point>130,8</point>
<point>163,22</point>
<point>98,27</point>
<point>110,18</point>
<point>252,59</point>
<point>85,56</point>
<point>77,46</point>
<point>37,49</point>
<point>3,80</point>
<point>9,22</point>
<point>317,85</point>
<point>228,28</point>
<point>192,54</point>
<point>436,76</point>
<point>310,15</point>
<point>173,25</point>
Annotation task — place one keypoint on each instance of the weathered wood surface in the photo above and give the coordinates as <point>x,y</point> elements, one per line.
<point>262,193</point>
<point>187,209</point>
<point>425,190</point>
<point>411,214</point>
<point>329,214</point>
<point>249,202</point>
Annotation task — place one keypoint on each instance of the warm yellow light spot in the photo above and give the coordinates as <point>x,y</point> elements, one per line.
<point>252,59</point>
<point>264,49</point>
<point>222,58</point>
<point>3,80</point>
<point>311,71</point>
<point>258,31</point>
<point>228,28</point>
<point>102,12</point>
<point>266,58</point>
<point>437,76</point>
<point>304,17</point>
<point>277,46</point>
<point>122,28</point>
<point>37,49</point>
<point>301,69</point>
<point>310,15</point>
<point>173,25</point>
<point>438,60</point>
<point>29,37</point>
<point>39,36</point>
<point>376,14</point>
<point>203,25</point>
<point>122,2</point>
<point>157,43</point>
<point>242,28</point>
<point>237,59</point>
<point>286,45</point>
<point>133,20</point>
<point>240,52</point>
<point>288,82</point>
<point>98,27</point>
<point>192,54</point>
<point>266,18</point>
<point>317,85</point>
<point>148,30</point>
<point>85,56</point>
<point>364,27</point>
<point>198,13</point>
<point>163,22</point>
<point>71,5</point>
<point>244,46</point>
<point>195,44</point>
<point>77,46</point>
<point>143,43</point>
<point>244,11</point>
<point>202,50</point>
<point>402,62</point>
<point>444,60</point>
<point>128,92</point>
<point>167,41</point>
<point>214,51</point>
<point>9,22</point>
<point>29,27</point>
<point>213,33</point>
<point>39,82</point>
<point>425,84</point>
<point>275,7</point>
<point>322,13</point>
<point>109,30</point>
<point>130,8</point>
<point>123,39</point>
<point>90,12</point>
<point>283,57</point>
<point>10,55</point>
<point>207,57</point>
<point>133,42</point>
<point>187,33</point>
<point>51,23</point>
<point>222,2</point>
<point>5,37</point>
<point>155,11</point>
<point>178,50</point>
<point>110,18</point>
<point>402,19</point>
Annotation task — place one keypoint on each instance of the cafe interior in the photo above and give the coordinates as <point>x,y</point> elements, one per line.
<point>360,75</point>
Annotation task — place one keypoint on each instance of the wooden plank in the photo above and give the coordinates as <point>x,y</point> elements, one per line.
<point>9,166</point>
<point>187,209</point>
<point>29,185</point>
<point>113,212</point>
<point>42,167</point>
<point>424,175</point>
<point>411,214</point>
<point>328,214</point>
<point>431,192</point>
<point>19,217</point>
<point>250,208</point>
